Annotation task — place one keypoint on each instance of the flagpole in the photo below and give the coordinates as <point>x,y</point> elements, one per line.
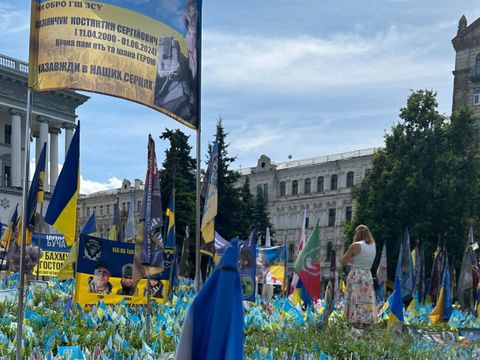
<point>199,118</point>
<point>21,281</point>
<point>174,257</point>
<point>285,271</point>
<point>39,238</point>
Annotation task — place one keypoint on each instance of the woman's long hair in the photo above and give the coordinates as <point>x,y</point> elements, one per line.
<point>363,233</point>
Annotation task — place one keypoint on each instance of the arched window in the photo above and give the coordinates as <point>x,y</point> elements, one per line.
<point>349,179</point>
<point>333,182</point>
<point>477,65</point>
<point>294,187</point>
<point>291,252</point>
<point>282,188</point>
<point>329,251</point>
<point>320,184</point>
<point>308,185</point>
<point>259,189</point>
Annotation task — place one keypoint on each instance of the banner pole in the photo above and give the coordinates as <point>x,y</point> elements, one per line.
<point>197,218</point>
<point>21,280</point>
<point>199,123</point>
<point>39,240</point>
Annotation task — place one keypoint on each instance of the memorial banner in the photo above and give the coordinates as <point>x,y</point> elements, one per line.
<point>54,251</point>
<point>144,51</point>
<point>105,271</point>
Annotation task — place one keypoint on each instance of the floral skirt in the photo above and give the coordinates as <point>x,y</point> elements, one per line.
<point>360,298</point>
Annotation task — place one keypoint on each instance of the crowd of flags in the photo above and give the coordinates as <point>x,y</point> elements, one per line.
<point>156,233</point>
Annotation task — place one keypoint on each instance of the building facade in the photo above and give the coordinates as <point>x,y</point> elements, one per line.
<point>103,204</point>
<point>321,186</point>
<point>466,76</point>
<point>52,113</point>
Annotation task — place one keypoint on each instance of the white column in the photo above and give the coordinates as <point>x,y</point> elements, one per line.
<point>53,156</point>
<point>68,136</point>
<point>43,138</point>
<point>16,149</point>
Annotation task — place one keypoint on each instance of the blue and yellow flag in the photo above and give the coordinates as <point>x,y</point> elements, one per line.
<point>211,197</point>
<point>169,225</point>
<point>90,227</point>
<point>35,195</point>
<point>396,310</point>
<point>66,271</point>
<point>10,230</point>
<point>443,308</point>
<point>62,210</point>
<point>113,232</point>
<point>404,270</point>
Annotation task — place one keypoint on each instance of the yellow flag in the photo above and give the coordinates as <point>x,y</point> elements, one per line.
<point>436,314</point>
<point>66,271</point>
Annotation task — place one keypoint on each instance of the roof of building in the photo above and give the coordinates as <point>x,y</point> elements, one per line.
<point>316,160</point>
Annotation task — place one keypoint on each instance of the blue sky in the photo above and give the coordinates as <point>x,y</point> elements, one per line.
<point>304,78</point>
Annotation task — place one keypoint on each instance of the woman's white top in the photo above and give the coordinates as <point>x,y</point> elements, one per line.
<point>364,260</point>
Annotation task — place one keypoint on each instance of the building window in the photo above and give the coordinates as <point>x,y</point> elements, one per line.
<point>476,96</point>
<point>320,184</point>
<point>349,179</point>
<point>139,205</point>
<point>88,211</point>
<point>101,209</point>
<point>306,222</point>
<point>8,134</point>
<point>294,187</point>
<point>108,209</point>
<point>333,182</point>
<point>94,209</point>
<point>329,251</point>
<point>6,175</point>
<point>308,185</point>
<point>282,188</point>
<point>265,190</point>
<point>367,172</point>
<point>331,217</point>
<point>259,189</point>
<point>348,213</point>
<point>477,65</point>
<point>291,252</point>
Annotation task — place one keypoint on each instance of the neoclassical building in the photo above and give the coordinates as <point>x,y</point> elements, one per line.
<point>52,113</point>
<point>103,203</point>
<point>322,186</point>
<point>466,76</point>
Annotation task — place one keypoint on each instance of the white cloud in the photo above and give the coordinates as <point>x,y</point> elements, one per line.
<point>12,21</point>
<point>305,63</point>
<point>86,186</point>
<point>89,186</point>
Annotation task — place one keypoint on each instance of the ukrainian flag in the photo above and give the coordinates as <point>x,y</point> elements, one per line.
<point>66,271</point>
<point>10,230</point>
<point>35,195</point>
<point>170,225</point>
<point>211,198</point>
<point>62,210</point>
<point>396,310</point>
<point>443,308</point>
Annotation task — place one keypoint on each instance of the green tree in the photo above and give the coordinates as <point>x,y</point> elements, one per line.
<point>178,169</point>
<point>227,222</point>
<point>260,216</point>
<point>247,206</point>
<point>425,179</point>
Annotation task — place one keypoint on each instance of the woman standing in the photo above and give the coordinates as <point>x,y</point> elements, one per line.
<point>360,296</point>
